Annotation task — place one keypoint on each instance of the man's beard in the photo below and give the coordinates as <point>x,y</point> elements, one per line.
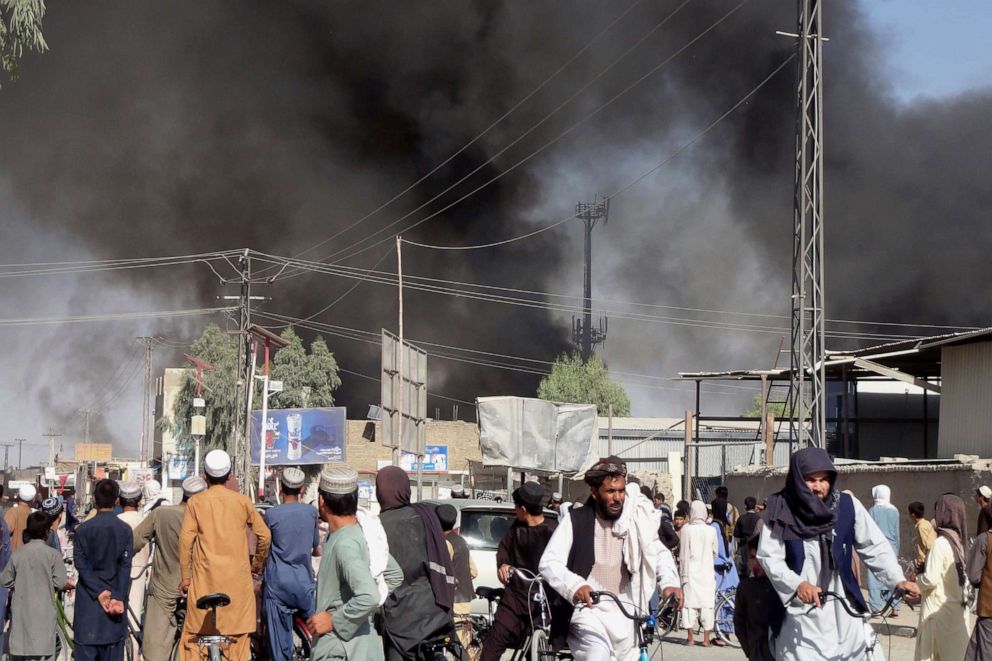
<point>605,513</point>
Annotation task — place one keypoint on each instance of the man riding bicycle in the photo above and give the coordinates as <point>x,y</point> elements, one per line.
<point>610,543</point>
<point>805,548</point>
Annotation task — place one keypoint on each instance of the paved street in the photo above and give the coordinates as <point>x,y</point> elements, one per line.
<point>895,647</point>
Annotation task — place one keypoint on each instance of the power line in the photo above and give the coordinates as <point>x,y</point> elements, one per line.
<point>122,316</point>
<point>534,153</point>
<point>369,337</point>
<point>485,131</point>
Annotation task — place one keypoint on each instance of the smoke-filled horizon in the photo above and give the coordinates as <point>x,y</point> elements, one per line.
<point>164,129</point>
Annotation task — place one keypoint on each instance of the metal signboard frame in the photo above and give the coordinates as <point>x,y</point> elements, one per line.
<point>403,395</point>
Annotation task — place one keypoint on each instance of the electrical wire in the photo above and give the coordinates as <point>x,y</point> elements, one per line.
<point>430,393</point>
<point>370,337</point>
<point>390,279</point>
<point>124,316</point>
<point>336,269</point>
<point>536,152</point>
<point>481,135</point>
<point>100,266</point>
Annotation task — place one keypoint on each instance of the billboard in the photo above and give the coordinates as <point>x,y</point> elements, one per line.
<point>300,436</point>
<point>94,452</point>
<point>435,459</point>
<point>406,393</point>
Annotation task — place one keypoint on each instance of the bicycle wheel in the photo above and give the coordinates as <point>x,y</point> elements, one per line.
<point>540,646</point>
<point>724,618</point>
<point>63,650</point>
<point>301,643</point>
<point>174,656</point>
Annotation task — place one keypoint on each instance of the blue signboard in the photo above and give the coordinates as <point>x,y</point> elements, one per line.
<point>300,436</point>
<point>435,459</point>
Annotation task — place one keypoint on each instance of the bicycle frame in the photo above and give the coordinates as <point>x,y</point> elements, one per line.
<point>644,624</point>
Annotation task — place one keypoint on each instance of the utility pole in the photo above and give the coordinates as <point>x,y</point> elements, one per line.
<point>20,450</point>
<point>51,436</point>
<point>146,413</point>
<point>399,358</point>
<point>6,455</point>
<point>86,427</point>
<point>807,399</point>
<point>583,334</point>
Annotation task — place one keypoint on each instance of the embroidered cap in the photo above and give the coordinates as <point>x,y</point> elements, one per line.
<point>194,485</point>
<point>293,478</point>
<point>338,478</point>
<point>130,490</point>
<point>52,507</point>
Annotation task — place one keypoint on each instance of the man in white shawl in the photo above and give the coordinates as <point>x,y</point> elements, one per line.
<point>611,544</point>
<point>697,552</point>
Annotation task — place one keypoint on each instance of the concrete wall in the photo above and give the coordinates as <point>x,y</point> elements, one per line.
<point>462,439</point>
<point>908,482</point>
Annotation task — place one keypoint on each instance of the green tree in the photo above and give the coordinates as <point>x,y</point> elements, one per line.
<point>20,29</point>
<point>573,381</point>
<point>775,408</point>
<point>308,380</point>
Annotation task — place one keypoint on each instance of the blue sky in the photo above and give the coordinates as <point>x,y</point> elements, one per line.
<point>937,49</point>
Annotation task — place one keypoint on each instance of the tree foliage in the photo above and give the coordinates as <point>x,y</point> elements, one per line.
<point>20,30</point>
<point>309,379</point>
<point>775,408</point>
<point>573,381</point>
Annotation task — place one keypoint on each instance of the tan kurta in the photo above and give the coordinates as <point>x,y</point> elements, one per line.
<point>213,554</point>
<point>17,520</point>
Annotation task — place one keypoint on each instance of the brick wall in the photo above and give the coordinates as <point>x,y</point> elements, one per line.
<point>462,439</point>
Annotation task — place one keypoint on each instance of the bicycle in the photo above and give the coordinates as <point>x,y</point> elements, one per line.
<point>479,625</point>
<point>668,617</point>
<point>213,642</point>
<point>64,602</point>
<point>723,625</point>
<point>644,625</point>
<point>871,638</point>
<point>180,622</point>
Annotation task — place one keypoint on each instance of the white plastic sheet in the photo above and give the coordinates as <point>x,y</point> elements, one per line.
<point>533,434</point>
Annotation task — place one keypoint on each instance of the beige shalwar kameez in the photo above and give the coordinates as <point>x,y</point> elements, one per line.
<point>213,554</point>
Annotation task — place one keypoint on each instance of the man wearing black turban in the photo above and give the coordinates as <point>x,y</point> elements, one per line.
<point>806,545</point>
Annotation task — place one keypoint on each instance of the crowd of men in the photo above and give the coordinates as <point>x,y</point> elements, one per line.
<point>386,584</point>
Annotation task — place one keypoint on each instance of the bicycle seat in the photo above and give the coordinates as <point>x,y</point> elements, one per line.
<point>490,594</point>
<point>215,600</point>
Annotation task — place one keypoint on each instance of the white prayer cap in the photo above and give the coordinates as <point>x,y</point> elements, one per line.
<point>339,479</point>
<point>27,493</point>
<point>153,488</point>
<point>217,463</point>
<point>293,478</point>
<point>130,490</point>
<point>193,485</point>
<point>986,492</point>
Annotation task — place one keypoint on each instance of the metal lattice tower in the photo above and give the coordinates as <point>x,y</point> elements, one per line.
<point>583,334</point>
<point>808,387</point>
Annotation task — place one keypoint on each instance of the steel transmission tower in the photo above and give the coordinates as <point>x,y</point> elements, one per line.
<point>584,335</point>
<point>807,390</point>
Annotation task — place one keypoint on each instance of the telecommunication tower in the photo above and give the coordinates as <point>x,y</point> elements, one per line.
<point>807,392</point>
<point>584,335</point>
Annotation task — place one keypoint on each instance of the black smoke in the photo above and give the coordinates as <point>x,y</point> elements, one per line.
<point>164,128</point>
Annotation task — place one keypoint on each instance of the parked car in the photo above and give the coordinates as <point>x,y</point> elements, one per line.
<point>483,523</point>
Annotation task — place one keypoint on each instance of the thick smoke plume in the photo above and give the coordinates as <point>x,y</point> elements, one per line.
<point>159,129</point>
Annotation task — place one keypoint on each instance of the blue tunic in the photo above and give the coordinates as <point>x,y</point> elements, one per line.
<point>288,572</point>
<point>102,555</point>
<point>887,519</point>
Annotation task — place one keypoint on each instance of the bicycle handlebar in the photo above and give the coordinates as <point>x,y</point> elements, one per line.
<point>597,596</point>
<point>896,595</point>
<point>525,575</point>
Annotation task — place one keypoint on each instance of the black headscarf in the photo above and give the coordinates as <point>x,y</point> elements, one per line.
<point>719,511</point>
<point>949,520</point>
<point>392,488</point>
<point>800,514</point>
<point>795,509</point>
